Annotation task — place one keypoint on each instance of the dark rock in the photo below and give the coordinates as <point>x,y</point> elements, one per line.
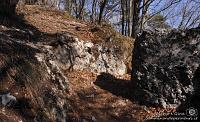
<point>165,67</point>
<point>7,7</point>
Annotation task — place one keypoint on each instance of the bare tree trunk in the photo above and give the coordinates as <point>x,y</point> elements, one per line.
<point>69,6</point>
<point>93,10</point>
<point>127,17</point>
<point>130,17</point>
<point>122,9</point>
<point>81,4</point>
<point>102,7</point>
<point>135,19</point>
<point>75,8</point>
<point>144,13</point>
<point>44,2</point>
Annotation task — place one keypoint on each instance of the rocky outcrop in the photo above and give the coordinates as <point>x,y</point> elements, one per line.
<point>32,86</point>
<point>165,67</point>
<point>33,83</point>
<point>75,54</point>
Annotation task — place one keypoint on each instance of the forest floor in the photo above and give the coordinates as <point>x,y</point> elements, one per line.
<point>103,97</point>
<point>54,21</point>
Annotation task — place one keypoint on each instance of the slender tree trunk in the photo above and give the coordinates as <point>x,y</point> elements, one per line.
<point>93,10</point>
<point>68,5</point>
<point>102,7</point>
<point>122,9</point>
<point>130,17</point>
<point>81,4</point>
<point>135,19</point>
<point>75,8</point>
<point>144,13</point>
<point>127,17</point>
<point>44,2</point>
<point>126,28</point>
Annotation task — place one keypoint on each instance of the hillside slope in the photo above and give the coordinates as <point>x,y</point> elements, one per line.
<point>39,84</point>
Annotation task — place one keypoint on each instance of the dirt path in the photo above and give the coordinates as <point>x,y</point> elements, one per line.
<point>104,98</point>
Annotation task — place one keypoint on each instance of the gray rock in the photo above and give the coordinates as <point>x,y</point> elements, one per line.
<point>162,102</point>
<point>8,99</point>
<point>164,66</point>
<point>85,55</point>
<point>94,119</point>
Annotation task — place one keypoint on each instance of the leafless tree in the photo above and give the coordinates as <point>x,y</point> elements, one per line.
<point>101,9</point>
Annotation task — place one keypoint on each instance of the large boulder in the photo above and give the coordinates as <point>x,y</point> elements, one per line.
<point>166,67</point>
<point>7,7</point>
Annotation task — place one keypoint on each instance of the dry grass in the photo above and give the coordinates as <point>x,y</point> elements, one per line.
<point>53,21</point>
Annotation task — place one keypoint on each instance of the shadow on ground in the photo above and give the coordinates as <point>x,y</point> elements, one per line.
<point>118,87</point>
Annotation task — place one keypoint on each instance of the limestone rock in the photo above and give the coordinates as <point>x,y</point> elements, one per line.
<point>85,55</point>
<point>164,67</point>
<point>37,86</point>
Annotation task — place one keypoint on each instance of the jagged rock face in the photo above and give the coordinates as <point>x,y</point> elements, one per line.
<point>164,67</point>
<point>32,86</point>
<point>7,7</point>
<point>85,55</point>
